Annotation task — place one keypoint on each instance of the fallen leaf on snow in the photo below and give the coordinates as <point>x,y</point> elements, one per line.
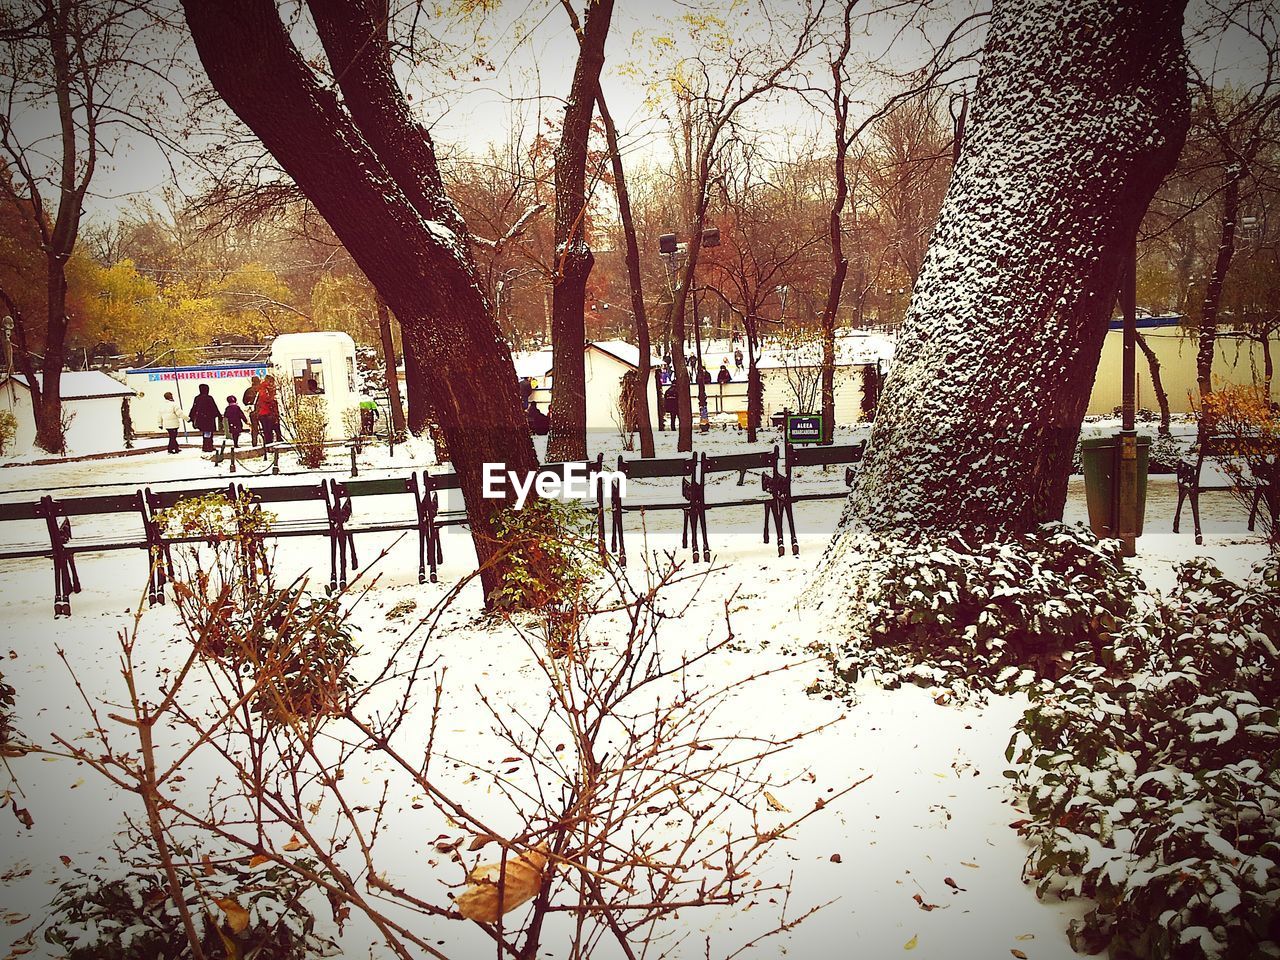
<point>911,944</point>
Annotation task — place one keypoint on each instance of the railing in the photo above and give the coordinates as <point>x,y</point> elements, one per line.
<point>339,523</point>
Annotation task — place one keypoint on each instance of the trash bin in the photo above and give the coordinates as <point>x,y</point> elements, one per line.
<point>1100,457</point>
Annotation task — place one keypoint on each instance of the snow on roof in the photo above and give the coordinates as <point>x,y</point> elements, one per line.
<point>627,353</point>
<point>84,384</point>
<point>536,364</point>
<point>852,350</point>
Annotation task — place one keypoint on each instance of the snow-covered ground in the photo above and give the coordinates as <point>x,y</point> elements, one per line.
<point>932,820</point>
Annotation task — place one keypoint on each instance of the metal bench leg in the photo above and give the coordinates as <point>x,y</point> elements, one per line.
<point>1253,508</point>
<point>1177,513</point>
<point>1195,514</point>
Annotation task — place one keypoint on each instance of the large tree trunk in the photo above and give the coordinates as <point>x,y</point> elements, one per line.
<point>638,315</point>
<point>372,174</point>
<point>48,407</point>
<point>1208,334</point>
<point>573,258</point>
<point>1080,111</point>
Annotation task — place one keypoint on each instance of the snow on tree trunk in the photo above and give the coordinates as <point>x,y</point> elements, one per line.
<point>1080,111</point>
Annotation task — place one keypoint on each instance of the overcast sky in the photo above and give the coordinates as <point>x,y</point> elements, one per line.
<point>523,61</point>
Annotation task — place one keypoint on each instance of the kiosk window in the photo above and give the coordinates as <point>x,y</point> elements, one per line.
<point>308,377</point>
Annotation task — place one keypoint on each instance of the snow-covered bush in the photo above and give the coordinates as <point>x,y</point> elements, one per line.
<point>947,610</point>
<point>126,912</point>
<point>1157,793</point>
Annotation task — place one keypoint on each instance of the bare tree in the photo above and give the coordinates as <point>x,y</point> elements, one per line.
<point>68,63</point>
<point>634,281</point>
<point>371,170</point>
<point>710,95</point>
<point>1239,124</point>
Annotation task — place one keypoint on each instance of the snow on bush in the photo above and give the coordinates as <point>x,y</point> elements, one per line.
<point>125,911</point>
<point>1157,792</point>
<point>986,614</point>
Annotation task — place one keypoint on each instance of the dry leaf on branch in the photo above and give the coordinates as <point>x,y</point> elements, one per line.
<point>237,916</point>
<point>491,893</point>
<point>775,803</point>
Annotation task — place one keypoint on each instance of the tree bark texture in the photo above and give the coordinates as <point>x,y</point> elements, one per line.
<point>573,258</point>
<point>1080,111</point>
<point>371,171</point>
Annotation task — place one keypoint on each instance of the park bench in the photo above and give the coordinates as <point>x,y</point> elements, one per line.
<point>775,482</point>
<point>1258,466</point>
<point>61,520</point>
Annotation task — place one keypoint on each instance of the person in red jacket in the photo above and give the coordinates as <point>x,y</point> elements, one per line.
<point>267,407</point>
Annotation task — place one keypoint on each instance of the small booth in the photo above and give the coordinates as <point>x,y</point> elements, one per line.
<point>320,364</point>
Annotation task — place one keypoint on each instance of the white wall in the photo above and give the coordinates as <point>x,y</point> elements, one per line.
<point>95,427</point>
<point>151,385</point>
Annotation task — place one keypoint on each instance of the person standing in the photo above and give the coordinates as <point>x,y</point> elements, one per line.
<point>171,418</point>
<point>268,408</point>
<point>250,401</point>
<point>234,415</point>
<point>670,407</point>
<point>205,416</point>
<point>724,376</point>
<point>737,357</point>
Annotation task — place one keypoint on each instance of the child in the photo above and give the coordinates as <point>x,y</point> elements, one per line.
<point>236,419</point>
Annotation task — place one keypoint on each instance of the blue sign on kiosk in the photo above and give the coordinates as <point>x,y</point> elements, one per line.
<point>804,428</point>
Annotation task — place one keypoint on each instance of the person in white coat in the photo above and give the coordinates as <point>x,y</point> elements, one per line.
<point>171,419</point>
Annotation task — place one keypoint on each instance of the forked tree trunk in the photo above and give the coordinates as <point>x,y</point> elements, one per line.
<point>1080,111</point>
<point>573,258</point>
<point>371,172</point>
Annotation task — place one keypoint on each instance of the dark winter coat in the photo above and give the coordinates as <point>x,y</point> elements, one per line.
<point>671,402</point>
<point>204,415</point>
<point>724,376</point>
<point>539,422</point>
<point>235,417</point>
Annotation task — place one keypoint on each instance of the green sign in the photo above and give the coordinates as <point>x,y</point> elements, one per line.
<point>804,428</point>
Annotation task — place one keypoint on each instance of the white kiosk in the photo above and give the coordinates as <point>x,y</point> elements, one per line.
<point>322,364</point>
